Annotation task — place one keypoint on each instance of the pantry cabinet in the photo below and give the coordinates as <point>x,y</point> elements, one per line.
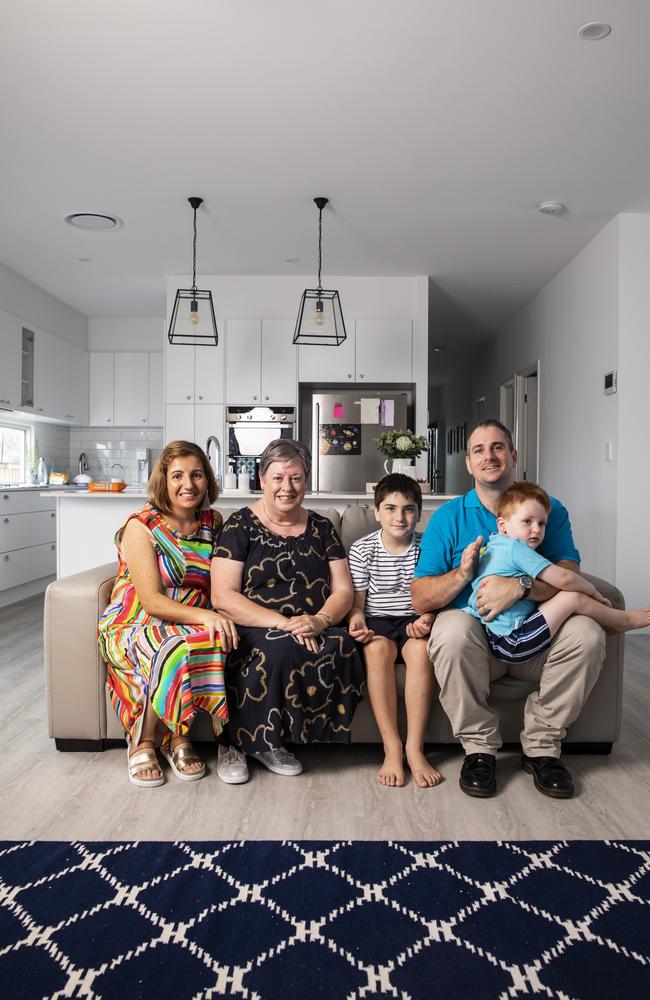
<point>261,362</point>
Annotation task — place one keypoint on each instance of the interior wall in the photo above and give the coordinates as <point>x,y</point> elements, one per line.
<point>632,538</point>
<point>571,328</point>
<point>126,334</point>
<point>36,306</point>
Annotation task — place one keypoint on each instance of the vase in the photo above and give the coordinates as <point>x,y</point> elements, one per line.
<point>403,465</point>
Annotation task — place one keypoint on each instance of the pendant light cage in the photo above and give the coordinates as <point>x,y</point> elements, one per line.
<point>193,321</point>
<point>320,317</point>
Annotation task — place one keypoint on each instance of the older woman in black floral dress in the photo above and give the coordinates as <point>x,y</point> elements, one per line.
<point>281,573</point>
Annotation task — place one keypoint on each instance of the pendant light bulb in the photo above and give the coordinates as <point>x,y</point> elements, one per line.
<point>319,315</point>
<point>194,312</point>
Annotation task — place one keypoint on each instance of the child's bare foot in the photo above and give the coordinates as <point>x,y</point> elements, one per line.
<point>392,770</point>
<point>424,775</point>
<point>630,620</point>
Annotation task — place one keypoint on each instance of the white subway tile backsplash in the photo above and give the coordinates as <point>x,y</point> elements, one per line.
<point>119,448</point>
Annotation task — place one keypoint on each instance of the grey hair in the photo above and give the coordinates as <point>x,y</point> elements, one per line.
<point>285,450</point>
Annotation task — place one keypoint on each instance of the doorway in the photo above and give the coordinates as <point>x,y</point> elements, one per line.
<point>519,411</point>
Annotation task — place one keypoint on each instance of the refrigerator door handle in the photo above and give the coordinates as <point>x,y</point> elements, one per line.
<point>316,448</point>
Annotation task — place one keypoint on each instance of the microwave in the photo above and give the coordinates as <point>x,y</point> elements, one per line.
<point>250,429</point>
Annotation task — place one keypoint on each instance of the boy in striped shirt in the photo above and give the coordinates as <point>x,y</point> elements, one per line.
<point>385,623</point>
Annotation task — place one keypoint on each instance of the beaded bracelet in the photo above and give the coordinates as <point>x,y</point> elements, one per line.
<point>326,618</point>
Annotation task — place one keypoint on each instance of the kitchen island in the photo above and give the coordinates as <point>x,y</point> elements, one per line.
<point>86,522</point>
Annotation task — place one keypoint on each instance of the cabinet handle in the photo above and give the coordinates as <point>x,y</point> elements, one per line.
<point>144,420</point>
<point>200,397</point>
<point>6,520</point>
<point>349,376</point>
<point>108,420</point>
<point>53,514</point>
<point>188,397</point>
<point>40,409</point>
<point>69,416</point>
<point>53,548</point>
<point>266,398</point>
<point>361,375</point>
<point>6,559</point>
<point>254,397</point>
<point>6,496</point>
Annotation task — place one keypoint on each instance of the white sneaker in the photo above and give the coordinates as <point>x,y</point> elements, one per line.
<point>280,761</point>
<point>231,765</point>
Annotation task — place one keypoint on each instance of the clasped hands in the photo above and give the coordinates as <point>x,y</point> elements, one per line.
<point>494,593</point>
<point>305,629</point>
<point>358,629</point>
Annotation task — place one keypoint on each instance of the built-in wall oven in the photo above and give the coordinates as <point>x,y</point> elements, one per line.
<point>250,430</point>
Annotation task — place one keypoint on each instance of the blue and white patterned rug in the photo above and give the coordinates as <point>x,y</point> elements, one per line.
<point>338,920</point>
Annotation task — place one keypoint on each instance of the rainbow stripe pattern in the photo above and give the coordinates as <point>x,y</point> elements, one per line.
<point>175,667</point>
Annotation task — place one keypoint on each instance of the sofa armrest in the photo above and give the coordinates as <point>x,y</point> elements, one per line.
<point>607,590</point>
<point>74,669</point>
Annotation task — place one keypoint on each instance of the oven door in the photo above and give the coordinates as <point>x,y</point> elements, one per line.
<point>252,438</point>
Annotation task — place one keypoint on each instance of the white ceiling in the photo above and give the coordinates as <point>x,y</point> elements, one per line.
<point>434,127</point>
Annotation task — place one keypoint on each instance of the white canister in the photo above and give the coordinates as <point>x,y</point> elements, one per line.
<point>230,480</point>
<point>243,481</point>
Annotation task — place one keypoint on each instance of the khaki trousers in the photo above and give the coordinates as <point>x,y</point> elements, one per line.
<point>464,668</point>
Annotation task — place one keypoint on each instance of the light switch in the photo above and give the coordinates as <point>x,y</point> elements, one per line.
<point>609,451</point>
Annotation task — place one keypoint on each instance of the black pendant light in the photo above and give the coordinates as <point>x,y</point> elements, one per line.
<point>320,318</point>
<point>193,319</point>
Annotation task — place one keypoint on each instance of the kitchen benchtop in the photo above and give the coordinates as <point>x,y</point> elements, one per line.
<point>226,495</point>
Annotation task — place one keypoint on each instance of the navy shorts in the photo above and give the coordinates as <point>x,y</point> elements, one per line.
<point>391,628</point>
<point>532,637</point>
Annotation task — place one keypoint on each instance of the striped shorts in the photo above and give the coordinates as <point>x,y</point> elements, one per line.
<point>532,637</point>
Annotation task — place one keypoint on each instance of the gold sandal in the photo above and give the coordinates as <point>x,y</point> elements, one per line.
<point>179,757</point>
<point>143,759</point>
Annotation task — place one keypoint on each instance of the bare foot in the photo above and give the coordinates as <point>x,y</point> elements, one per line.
<point>392,771</point>
<point>630,620</point>
<point>424,775</point>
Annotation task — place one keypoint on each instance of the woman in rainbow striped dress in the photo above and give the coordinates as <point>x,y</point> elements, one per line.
<point>164,646</point>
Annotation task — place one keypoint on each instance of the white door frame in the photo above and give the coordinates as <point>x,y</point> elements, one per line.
<point>520,416</point>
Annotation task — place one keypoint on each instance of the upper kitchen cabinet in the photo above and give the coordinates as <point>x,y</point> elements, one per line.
<point>131,397</point>
<point>60,379</point>
<point>375,350</point>
<point>384,349</point>
<point>261,362</point>
<point>10,366</point>
<point>195,374</point>
<point>126,389</point>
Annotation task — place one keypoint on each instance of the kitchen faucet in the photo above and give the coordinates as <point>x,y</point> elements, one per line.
<point>116,465</point>
<point>83,462</point>
<point>217,457</point>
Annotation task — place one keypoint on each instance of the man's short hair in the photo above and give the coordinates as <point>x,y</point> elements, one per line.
<point>491,422</point>
<point>518,493</point>
<point>397,482</point>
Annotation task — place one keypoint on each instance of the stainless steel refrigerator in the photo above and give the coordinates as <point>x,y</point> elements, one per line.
<point>340,426</point>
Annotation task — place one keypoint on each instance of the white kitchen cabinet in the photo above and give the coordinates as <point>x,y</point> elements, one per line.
<point>260,362</point>
<point>10,366</point>
<point>102,381</point>
<point>383,351</point>
<point>72,383</point>
<point>126,389</point>
<point>195,374</point>
<point>186,422</point>
<point>48,400</point>
<point>375,350</point>
<point>156,389</point>
<point>27,538</point>
<point>328,364</point>
<point>131,394</point>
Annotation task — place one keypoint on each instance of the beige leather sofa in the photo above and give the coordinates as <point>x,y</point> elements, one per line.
<point>82,718</point>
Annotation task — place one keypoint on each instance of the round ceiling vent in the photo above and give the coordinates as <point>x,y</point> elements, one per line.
<point>93,220</point>
<point>595,31</point>
<point>551,208</point>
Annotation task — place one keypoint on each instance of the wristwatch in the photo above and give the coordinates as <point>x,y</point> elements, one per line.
<point>526,586</point>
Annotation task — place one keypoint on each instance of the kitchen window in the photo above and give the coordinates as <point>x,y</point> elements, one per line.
<point>14,443</point>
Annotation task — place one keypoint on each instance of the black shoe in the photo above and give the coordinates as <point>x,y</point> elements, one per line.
<point>477,775</point>
<point>550,776</point>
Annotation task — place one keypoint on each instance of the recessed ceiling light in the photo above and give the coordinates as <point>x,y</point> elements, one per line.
<point>93,220</point>
<point>551,208</point>
<point>292,260</point>
<point>595,31</point>
<point>84,260</point>
<point>439,347</point>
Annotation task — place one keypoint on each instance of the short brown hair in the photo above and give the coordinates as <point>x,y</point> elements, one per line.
<point>518,493</point>
<point>397,482</point>
<point>157,487</point>
<point>492,422</point>
<point>285,450</point>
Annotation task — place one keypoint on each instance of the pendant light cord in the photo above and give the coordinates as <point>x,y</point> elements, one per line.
<point>320,246</point>
<point>194,258</point>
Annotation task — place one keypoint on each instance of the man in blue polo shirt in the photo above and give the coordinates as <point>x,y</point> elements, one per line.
<point>463,665</point>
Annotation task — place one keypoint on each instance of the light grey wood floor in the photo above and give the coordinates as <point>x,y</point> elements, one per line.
<point>45,794</point>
